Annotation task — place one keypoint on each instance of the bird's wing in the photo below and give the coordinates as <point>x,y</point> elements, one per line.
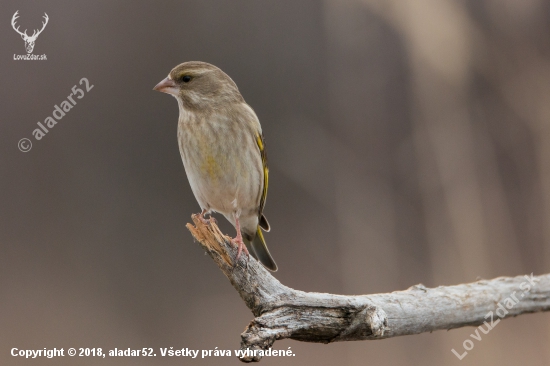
<point>261,145</point>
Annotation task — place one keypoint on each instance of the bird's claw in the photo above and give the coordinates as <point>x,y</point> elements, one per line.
<point>206,221</point>
<point>240,249</point>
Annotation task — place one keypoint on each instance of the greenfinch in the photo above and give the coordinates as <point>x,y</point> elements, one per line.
<point>223,151</point>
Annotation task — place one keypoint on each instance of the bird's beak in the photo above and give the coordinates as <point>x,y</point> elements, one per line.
<point>167,86</point>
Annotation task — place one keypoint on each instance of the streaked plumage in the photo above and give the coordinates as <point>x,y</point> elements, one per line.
<point>223,150</point>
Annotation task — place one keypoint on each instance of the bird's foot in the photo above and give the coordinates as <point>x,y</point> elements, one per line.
<point>238,242</point>
<point>204,220</point>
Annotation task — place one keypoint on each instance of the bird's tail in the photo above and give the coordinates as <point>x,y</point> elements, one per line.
<point>258,249</point>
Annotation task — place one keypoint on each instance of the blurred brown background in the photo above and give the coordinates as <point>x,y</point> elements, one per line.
<point>409,142</point>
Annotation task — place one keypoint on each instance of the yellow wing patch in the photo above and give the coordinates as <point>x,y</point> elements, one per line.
<point>261,146</point>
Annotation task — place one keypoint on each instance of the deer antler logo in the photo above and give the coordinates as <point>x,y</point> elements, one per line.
<point>29,41</point>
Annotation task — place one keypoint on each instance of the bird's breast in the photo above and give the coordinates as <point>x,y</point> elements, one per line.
<point>215,148</point>
<point>222,169</point>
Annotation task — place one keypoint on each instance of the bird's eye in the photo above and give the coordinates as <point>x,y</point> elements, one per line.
<point>186,79</point>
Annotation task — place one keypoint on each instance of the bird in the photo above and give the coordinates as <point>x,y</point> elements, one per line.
<point>223,152</point>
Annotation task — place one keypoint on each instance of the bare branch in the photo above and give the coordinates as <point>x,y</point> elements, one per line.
<point>282,312</point>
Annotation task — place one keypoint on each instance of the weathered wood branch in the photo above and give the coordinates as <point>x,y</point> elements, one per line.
<point>282,312</point>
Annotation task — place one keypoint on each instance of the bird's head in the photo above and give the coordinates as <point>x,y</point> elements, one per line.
<point>198,85</point>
